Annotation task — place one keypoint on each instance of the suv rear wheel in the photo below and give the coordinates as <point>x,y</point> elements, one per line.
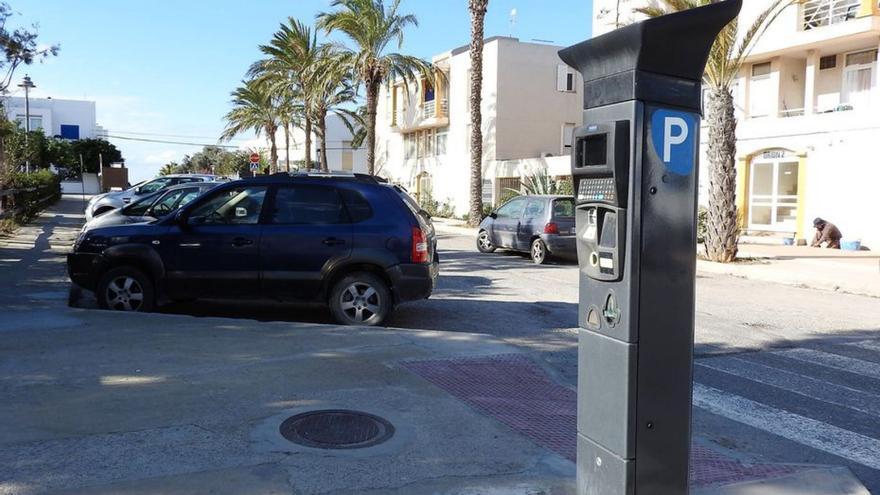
<point>360,299</point>
<point>125,289</point>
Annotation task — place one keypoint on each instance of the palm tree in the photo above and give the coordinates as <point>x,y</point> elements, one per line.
<point>725,61</point>
<point>330,88</point>
<point>372,28</point>
<point>169,168</point>
<point>291,55</point>
<point>477,10</point>
<point>254,107</point>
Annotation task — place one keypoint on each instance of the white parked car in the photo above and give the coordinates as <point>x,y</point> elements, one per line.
<point>106,202</point>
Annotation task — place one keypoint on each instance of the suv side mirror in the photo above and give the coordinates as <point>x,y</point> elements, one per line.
<point>181,219</point>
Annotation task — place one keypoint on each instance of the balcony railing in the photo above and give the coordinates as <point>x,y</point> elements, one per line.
<point>429,108</point>
<point>818,13</point>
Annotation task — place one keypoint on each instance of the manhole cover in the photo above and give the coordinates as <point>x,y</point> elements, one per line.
<point>336,429</point>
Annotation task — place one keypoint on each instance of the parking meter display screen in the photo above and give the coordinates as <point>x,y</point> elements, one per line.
<point>594,150</point>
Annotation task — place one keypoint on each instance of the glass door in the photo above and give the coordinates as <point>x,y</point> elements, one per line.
<point>774,193</point>
<point>858,78</point>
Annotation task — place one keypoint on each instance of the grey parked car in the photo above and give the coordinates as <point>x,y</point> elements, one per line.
<point>104,203</point>
<point>153,206</point>
<point>539,225</point>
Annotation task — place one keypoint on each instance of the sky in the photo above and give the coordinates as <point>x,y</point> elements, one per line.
<point>164,69</point>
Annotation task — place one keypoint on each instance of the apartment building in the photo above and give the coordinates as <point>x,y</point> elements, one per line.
<point>68,119</point>
<point>531,102</point>
<point>808,107</point>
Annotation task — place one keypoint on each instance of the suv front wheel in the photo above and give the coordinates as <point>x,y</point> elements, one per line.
<point>360,299</point>
<point>125,289</point>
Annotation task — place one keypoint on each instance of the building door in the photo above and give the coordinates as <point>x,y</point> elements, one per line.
<point>858,78</point>
<point>773,198</point>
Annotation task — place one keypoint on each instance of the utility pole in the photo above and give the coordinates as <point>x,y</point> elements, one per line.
<point>27,84</point>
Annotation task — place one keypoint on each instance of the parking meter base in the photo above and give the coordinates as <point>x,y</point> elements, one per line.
<point>600,472</point>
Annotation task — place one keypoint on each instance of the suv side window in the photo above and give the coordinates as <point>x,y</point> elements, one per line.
<point>357,205</point>
<point>239,206</point>
<point>308,205</point>
<point>535,208</point>
<point>513,209</point>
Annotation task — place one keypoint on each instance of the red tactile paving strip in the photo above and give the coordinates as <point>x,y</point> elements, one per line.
<point>515,391</point>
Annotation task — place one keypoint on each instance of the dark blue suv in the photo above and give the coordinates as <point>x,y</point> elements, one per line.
<point>350,240</point>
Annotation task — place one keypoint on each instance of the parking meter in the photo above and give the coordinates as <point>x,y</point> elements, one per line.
<point>634,169</point>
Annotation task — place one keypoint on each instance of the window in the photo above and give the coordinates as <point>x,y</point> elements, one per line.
<point>488,190</point>
<point>442,135</point>
<point>828,62</point>
<point>357,205</point>
<point>347,156</point>
<point>389,105</point>
<point>139,207</point>
<point>308,205</point>
<point>410,146</point>
<point>564,78</point>
<point>858,78</point>
<point>239,206</point>
<point>155,185</point>
<point>567,135</point>
<point>512,209</point>
<point>762,90</point>
<point>563,208</point>
<point>429,142</point>
<point>69,131</point>
<point>167,203</point>
<point>36,121</point>
<point>535,208</point>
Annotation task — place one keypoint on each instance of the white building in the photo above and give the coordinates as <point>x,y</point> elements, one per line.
<point>808,106</point>
<point>531,103</point>
<point>68,119</point>
<point>340,153</point>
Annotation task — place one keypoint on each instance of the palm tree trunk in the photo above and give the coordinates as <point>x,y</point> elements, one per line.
<point>722,231</point>
<point>372,102</point>
<point>478,13</point>
<point>308,143</point>
<point>322,135</point>
<point>287,146</point>
<point>273,152</point>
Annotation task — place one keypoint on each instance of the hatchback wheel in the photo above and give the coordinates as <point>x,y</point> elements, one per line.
<point>360,299</point>
<point>125,289</point>
<point>539,252</point>
<point>484,242</point>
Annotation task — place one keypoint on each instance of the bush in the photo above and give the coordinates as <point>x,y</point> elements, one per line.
<point>33,192</point>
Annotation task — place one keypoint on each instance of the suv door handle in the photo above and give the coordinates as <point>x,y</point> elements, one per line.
<point>332,241</point>
<point>241,242</point>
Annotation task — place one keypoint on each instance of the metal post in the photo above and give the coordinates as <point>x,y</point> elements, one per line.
<point>634,170</point>
<point>27,84</point>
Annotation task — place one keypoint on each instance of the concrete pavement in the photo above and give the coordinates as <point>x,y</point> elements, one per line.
<point>100,402</point>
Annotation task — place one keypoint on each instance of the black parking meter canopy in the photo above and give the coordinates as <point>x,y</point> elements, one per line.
<point>658,60</point>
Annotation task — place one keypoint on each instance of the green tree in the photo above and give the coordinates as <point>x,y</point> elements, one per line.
<point>94,152</point>
<point>477,9</point>
<point>373,30</point>
<point>725,61</point>
<point>169,168</point>
<point>331,89</point>
<point>254,107</point>
<point>287,69</point>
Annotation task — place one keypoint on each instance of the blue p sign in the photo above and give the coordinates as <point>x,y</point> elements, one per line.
<point>674,134</point>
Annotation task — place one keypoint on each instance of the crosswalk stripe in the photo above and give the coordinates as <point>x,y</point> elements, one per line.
<point>816,434</point>
<point>869,345</point>
<point>797,383</point>
<point>829,360</point>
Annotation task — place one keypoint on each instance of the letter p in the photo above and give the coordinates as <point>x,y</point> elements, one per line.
<point>670,139</point>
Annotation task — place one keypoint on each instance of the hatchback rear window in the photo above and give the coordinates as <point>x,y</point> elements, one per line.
<point>563,208</point>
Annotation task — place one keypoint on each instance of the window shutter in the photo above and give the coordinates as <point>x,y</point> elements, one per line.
<point>561,77</point>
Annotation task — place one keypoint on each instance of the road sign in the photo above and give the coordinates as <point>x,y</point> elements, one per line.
<point>255,158</point>
<point>255,166</point>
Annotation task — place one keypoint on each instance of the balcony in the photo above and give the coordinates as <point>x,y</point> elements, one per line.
<point>818,13</point>
<point>429,109</point>
<point>422,116</point>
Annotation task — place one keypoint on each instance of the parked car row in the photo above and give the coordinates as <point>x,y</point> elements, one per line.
<point>359,245</point>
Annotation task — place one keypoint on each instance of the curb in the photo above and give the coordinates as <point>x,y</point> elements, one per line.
<point>822,481</point>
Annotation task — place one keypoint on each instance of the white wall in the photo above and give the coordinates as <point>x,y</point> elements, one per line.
<point>56,113</point>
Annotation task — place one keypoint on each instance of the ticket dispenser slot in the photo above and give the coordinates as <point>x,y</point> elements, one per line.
<point>601,171</point>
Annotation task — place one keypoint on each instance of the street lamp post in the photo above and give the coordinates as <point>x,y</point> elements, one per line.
<point>27,84</point>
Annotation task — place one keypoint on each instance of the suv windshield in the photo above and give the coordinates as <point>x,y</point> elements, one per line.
<point>139,207</point>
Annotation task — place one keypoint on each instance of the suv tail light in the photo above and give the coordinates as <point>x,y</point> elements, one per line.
<point>419,246</point>
<point>551,228</point>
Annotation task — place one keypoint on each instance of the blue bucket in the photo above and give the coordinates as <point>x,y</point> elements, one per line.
<point>788,241</point>
<point>848,245</point>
